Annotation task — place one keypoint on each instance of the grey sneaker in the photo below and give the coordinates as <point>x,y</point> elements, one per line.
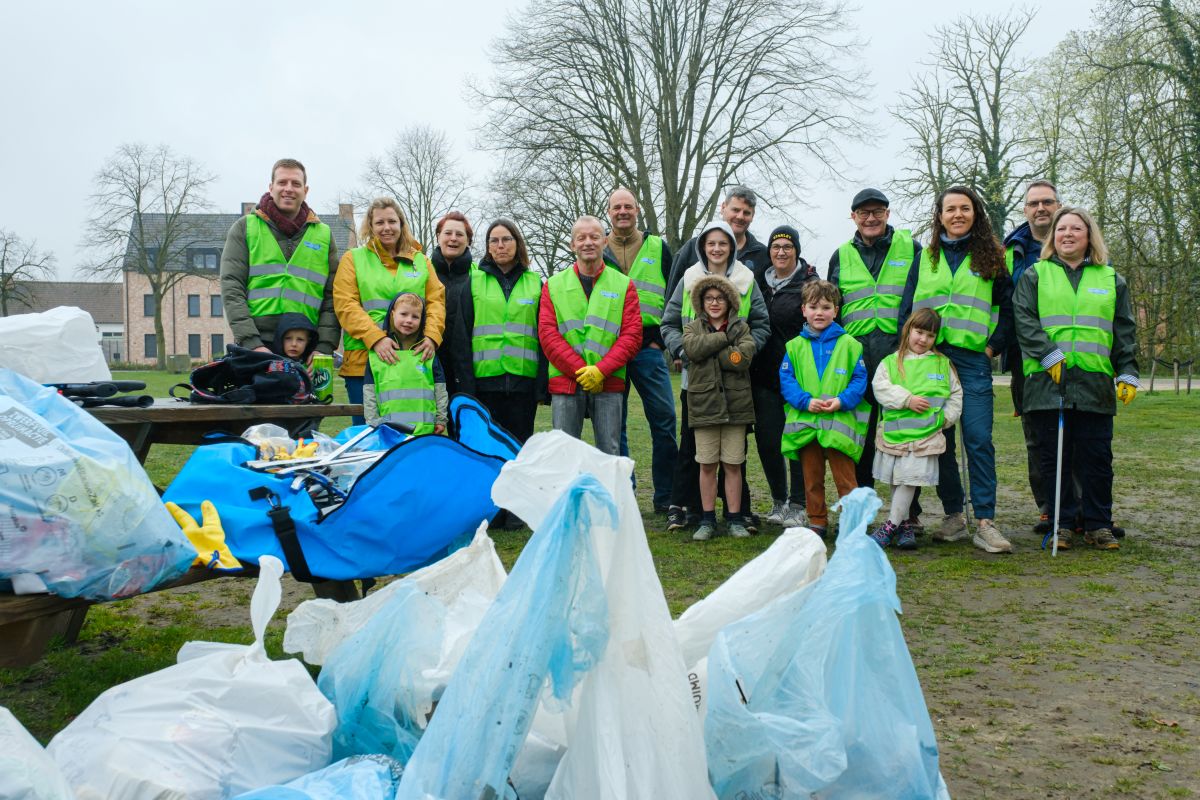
<point>778,513</point>
<point>952,529</point>
<point>738,531</point>
<point>796,517</point>
<point>705,532</point>
<point>989,539</point>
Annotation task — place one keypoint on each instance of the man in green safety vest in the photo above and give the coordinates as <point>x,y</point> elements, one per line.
<point>646,260</point>
<point>280,259</point>
<point>870,270</point>
<point>590,328</point>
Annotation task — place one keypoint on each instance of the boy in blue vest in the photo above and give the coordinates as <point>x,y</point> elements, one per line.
<point>817,442</point>
<point>406,326</point>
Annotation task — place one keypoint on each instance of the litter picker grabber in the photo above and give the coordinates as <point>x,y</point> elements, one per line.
<point>1052,534</point>
<point>964,474</point>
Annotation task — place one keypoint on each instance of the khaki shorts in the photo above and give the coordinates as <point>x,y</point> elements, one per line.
<point>725,443</point>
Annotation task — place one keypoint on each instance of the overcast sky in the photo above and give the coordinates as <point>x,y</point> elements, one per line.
<point>236,85</point>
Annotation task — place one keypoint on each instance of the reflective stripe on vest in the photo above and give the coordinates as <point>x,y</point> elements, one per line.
<point>963,300</point>
<point>504,337</point>
<point>1078,322</point>
<point>870,305</point>
<point>844,430</point>
<point>277,285</point>
<point>647,275</point>
<point>927,377</point>
<point>589,324</point>
<point>378,286</point>
<point>405,390</point>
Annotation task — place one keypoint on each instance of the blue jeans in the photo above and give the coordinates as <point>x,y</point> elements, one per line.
<point>648,373</point>
<point>975,374</point>
<point>567,412</point>
<point>354,392</point>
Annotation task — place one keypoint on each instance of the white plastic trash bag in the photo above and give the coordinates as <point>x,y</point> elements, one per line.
<point>224,720</point>
<point>631,730</point>
<point>26,772</point>
<point>61,345</point>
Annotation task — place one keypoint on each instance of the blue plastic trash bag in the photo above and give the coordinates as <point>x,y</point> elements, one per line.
<point>372,777</point>
<point>475,428</point>
<point>816,695</point>
<point>76,508</point>
<point>546,629</point>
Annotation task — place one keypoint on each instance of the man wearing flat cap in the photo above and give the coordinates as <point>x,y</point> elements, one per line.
<point>870,270</point>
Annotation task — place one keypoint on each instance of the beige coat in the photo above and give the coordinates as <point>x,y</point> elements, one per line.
<point>889,395</point>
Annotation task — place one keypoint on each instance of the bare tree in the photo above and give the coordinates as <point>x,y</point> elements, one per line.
<point>676,98</point>
<point>420,171</point>
<point>141,219</point>
<point>969,116</point>
<point>20,262</point>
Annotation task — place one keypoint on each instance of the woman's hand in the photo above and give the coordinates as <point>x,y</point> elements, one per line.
<point>424,349</point>
<point>385,348</point>
<point>917,403</point>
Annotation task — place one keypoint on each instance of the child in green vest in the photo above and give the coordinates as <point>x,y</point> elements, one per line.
<point>718,346</point>
<point>401,370</point>
<point>919,395</point>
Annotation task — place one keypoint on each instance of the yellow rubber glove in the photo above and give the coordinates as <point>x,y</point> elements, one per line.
<point>1055,372</point>
<point>590,378</point>
<point>208,539</point>
<point>1126,392</point>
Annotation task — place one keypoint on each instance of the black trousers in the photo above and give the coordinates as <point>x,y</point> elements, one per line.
<point>1032,459</point>
<point>1087,454</point>
<point>685,488</point>
<point>513,411</point>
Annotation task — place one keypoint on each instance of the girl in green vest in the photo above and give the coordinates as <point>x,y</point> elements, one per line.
<point>406,390</point>
<point>919,395</point>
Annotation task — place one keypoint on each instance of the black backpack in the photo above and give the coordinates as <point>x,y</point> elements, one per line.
<point>249,376</point>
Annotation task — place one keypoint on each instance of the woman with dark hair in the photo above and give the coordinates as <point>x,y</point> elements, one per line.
<point>963,276</point>
<point>495,349</point>
<point>453,261</point>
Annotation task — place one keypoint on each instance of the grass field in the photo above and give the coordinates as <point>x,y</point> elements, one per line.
<point>1071,677</point>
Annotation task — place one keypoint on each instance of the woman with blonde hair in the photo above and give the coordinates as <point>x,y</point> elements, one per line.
<point>368,278</point>
<point>1078,338</point>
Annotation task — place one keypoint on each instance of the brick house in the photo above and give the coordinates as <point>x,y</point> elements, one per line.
<point>194,316</point>
<point>104,301</point>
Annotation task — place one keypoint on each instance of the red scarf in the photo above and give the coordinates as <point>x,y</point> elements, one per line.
<point>288,226</point>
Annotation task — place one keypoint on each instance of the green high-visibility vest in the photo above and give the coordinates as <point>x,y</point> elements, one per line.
<point>277,285</point>
<point>378,286</point>
<point>404,390</point>
<point>589,324</point>
<point>687,312</point>
<point>927,377</point>
<point>964,301</point>
<point>1079,322</point>
<point>869,304</point>
<point>647,275</point>
<point>844,430</point>
<point>504,338</point>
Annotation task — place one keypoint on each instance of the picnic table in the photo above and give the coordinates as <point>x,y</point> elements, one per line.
<point>29,622</point>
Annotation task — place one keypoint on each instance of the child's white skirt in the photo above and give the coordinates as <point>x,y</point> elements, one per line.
<point>905,470</point>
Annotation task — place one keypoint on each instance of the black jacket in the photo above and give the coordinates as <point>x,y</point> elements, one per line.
<point>651,334</point>
<point>460,349</point>
<point>453,275</point>
<point>754,255</point>
<point>786,309</point>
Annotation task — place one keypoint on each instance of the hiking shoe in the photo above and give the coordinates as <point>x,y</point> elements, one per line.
<point>1066,538</point>
<point>1043,525</point>
<point>906,537</point>
<point>778,512</point>
<point>676,518</point>
<point>882,535</point>
<point>738,531</point>
<point>952,529</point>
<point>989,539</point>
<point>796,516</point>
<point>915,525</point>
<point>705,532</point>
<point>1101,539</point>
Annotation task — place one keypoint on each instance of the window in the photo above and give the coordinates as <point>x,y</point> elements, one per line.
<point>215,307</point>
<point>193,305</point>
<point>151,345</point>
<point>204,259</point>
<point>218,345</point>
<point>147,305</point>
<point>194,345</point>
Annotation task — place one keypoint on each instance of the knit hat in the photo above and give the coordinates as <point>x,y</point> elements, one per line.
<point>868,196</point>
<point>785,232</point>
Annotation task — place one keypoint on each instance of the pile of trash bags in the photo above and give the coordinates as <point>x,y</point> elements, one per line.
<point>566,678</point>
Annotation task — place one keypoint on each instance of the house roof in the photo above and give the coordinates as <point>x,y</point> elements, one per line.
<point>101,300</point>
<point>207,232</point>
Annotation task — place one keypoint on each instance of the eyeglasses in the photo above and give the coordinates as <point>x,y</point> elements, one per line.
<point>715,299</point>
<point>1036,203</point>
<point>871,213</point>
<point>782,247</point>
<point>501,240</point>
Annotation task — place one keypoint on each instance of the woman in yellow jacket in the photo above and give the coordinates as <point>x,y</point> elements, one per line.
<point>367,280</point>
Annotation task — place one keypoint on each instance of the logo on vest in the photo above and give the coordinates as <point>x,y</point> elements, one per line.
<point>1098,291</point>
<point>900,263</point>
<point>609,295</point>
<point>524,301</point>
<point>411,274</point>
<point>839,371</point>
<point>935,376</point>
<point>649,261</point>
<point>312,245</point>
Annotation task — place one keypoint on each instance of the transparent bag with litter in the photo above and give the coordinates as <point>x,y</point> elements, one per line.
<point>372,777</point>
